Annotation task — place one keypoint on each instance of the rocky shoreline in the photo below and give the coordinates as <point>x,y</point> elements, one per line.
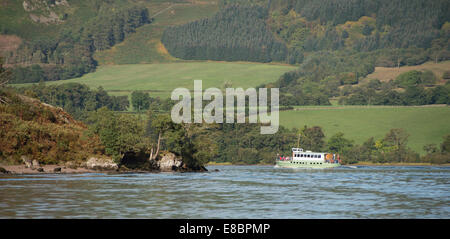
<point>169,162</point>
<point>23,169</point>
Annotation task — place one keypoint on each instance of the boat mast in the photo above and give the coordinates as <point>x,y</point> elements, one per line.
<point>300,132</point>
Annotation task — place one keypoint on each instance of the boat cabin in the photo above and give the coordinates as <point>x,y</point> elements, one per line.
<point>298,154</point>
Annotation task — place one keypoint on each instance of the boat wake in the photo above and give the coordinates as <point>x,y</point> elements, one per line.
<point>349,166</point>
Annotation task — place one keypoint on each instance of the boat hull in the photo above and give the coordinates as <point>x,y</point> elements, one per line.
<point>293,164</point>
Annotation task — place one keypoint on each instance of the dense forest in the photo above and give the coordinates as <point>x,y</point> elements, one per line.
<point>237,33</point>
<point>308,26</point>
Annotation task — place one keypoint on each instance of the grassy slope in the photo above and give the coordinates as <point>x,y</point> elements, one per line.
<point>425,125</point>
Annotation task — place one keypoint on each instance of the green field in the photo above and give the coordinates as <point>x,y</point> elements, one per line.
<point>161,79</point>
<point>426,125</point>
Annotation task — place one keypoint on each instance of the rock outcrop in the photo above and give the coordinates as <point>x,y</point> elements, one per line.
<point>35,164</point>
<point>45,11</point>
<point>101,164</point>
<point>169,162</point>
<point>27,161</point>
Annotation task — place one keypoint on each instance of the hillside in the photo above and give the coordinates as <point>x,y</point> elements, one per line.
<point>42,132</point>
<point>63,47</point>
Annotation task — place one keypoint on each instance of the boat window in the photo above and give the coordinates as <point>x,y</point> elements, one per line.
<point>320,156</point>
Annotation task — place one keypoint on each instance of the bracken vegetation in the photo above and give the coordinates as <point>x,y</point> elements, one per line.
<point>42,132</point>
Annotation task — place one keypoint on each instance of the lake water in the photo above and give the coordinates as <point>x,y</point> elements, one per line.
<point>233,192</point>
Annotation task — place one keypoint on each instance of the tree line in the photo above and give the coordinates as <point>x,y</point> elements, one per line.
<point>243,143</point>
<point>76,99</point>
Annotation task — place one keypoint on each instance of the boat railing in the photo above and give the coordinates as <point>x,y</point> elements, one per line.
<point>281,158</point>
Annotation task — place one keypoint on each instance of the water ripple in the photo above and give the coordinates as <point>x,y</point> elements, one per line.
<point>233,192</point>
